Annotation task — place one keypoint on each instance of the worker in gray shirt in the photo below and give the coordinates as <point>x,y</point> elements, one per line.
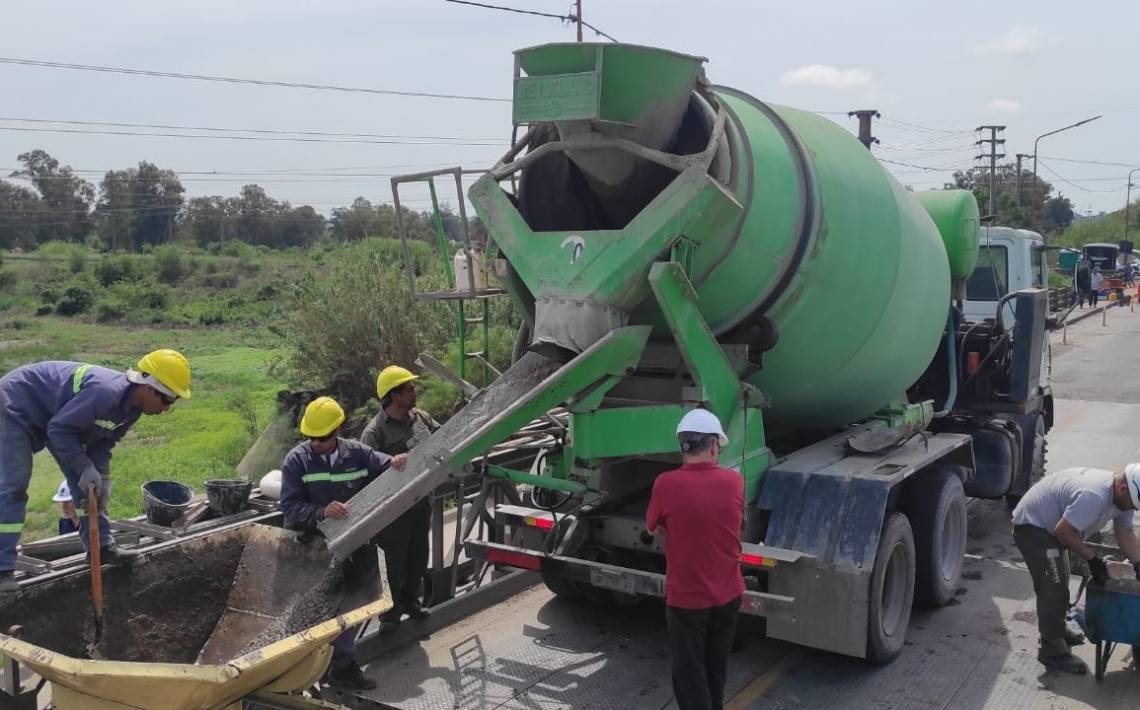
<point>1054,517</point>
<point>396,428</point>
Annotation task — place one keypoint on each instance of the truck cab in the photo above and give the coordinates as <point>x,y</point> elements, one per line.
<point>1009,260</point>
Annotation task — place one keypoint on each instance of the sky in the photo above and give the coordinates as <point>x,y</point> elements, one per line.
<point>935,71</point>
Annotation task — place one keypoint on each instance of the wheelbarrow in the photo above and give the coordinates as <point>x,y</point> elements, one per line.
<point>1111,618</point>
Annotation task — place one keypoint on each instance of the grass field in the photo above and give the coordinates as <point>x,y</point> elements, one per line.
<point>234,389</point>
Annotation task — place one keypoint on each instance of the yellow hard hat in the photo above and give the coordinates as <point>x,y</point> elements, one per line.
<point>392,377</point>
<point>322,417</point>
<point>170,368</point>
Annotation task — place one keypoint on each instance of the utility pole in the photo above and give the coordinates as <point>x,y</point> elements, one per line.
<point>1128,202</point>
<point>994,143</point>
<point>1019,157</point>
<point>578,12</point>
<point>865,116</point>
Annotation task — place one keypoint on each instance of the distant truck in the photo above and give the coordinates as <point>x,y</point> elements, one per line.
<point>1009,260</point>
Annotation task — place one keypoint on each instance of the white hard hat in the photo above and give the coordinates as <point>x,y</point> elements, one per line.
<point>271,485</point>
<point>63,494</point>
<point>702,421</point>
<point>1132,479</point>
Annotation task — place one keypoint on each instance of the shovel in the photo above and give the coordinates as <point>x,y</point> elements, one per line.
<point>96,569</point>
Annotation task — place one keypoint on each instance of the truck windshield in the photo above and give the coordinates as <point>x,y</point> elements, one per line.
<point>990,279</point>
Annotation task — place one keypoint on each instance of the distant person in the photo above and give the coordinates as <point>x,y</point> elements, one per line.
<point>1083,282</point>
<point>79,412</point>
<point>1052,520</point>
<point>396,428</point>
<point>1095,282</point>
<point>68,517</point>
<point>318,477</point>
<point>698,508</point>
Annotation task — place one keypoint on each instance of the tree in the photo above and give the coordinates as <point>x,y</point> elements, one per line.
<point>1058,214</point>
<point>1029,211</point>
<point>140,206</point>
<point>64,195</point>
<point>21,213</point>
<point>204,220</point>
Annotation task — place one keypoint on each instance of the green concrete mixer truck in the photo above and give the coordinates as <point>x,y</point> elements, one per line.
<point>673,244</point>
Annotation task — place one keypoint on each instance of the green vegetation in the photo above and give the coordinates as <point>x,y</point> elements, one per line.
<point>1108,229</point>
<point>236,378</point>
<point>251,320</point>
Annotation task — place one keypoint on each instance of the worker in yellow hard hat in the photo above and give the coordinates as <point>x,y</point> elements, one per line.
<point>396,428</point>
<point>79,412</point>
<point>318,478</point>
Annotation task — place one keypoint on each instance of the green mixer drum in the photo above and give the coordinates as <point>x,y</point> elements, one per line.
<point>861,311</point>
<point>955,213</point>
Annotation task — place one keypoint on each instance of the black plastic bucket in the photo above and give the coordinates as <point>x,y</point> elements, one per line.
<point>165,501</point>
<point>227,495</point>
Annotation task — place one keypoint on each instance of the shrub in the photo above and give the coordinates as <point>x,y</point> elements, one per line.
<point>112,270</point>
<point>75,300</point>
<point>214,314</point>
<point>109,312</point>
<point>168,266</point>
<point>49,295</point>
<point>8,279</point>
<point>141,296</point>
<point>76,260</point>
<point>45,310</point>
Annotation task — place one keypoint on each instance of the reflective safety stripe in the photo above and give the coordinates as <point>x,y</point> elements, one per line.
<point>77,378</point>
<point>107,424</point>
<point>11,528</point>
<point>334,477</point>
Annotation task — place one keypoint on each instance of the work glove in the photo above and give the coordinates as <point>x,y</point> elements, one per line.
<point>1099,571</point>
<point>90,477</point>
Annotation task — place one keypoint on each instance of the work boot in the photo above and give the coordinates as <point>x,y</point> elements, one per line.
<point>352,677</point>
<point>1065,663</point>
<point>392,616</point>
<point>417,612</point>
<point>114,555</point>
<point>1074,638</point>
<point>8,585</point>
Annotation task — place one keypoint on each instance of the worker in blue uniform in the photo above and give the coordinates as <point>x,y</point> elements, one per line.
<point>318,477</point>
<point>78,412</point>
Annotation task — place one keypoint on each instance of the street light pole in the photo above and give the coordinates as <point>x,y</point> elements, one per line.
<point>1128,202</point>
<point>1078,123</point>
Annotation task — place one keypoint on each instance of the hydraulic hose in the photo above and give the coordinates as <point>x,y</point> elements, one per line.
<point>952,364</point>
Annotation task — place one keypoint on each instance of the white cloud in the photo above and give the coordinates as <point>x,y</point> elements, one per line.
<point>1017,41</point>
<point>1003,106</point>
<point>827,76</point>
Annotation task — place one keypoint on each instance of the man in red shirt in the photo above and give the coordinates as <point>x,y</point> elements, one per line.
<point>698,509</point>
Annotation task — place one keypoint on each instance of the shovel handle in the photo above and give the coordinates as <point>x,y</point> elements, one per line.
<point>93,547</point>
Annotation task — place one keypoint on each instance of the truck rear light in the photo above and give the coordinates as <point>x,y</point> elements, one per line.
<point>513,559</point>
<point>542,523</point>
<point>749,559</point>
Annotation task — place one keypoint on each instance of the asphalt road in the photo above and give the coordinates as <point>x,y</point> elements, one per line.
<point>979,653</point>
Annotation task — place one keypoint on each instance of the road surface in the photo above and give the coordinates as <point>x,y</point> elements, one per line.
<point>536,651</point>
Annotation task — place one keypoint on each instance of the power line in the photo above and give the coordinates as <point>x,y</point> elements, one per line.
<point>357,141</point>
<point>914,127</point>
<point>492,141</point>
<point>1091,162</point>
<point>236,80</point>
<point>1071,183</point>
<point>920,167</point>
<point>520,11</point>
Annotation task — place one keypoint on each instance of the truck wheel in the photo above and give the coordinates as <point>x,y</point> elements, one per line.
<point>1037,467</point>
<point>892,590</point>
<point>561,587</point>
<point>936,507</point>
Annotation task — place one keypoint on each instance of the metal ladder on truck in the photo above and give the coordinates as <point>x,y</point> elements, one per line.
<point>459,293</point>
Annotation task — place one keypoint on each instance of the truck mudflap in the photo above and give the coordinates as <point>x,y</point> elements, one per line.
<point>830,504</point>
<point>633,581</point>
